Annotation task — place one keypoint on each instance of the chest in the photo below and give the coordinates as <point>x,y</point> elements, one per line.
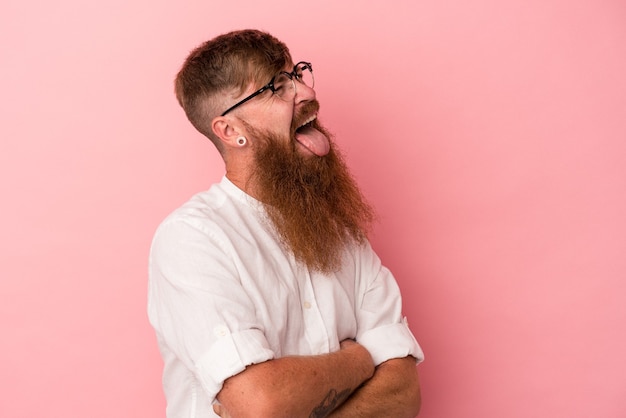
<point>301,312</point>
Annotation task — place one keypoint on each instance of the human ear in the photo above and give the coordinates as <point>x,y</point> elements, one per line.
<point>227,130</point>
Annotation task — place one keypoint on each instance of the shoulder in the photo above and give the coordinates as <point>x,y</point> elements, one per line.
<point>217,223</point>
<point>208,212</point>
<point>361,256</point>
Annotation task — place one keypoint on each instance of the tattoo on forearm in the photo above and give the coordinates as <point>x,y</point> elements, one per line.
<point>330,402</point>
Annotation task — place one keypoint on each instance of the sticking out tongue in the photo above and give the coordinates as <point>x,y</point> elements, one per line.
<point>313,140</point>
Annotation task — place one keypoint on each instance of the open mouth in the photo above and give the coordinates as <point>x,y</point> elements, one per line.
<point>307,123</point>
<point>311,138</point>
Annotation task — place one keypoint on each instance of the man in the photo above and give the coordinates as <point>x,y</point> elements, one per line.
<point>266,297</point>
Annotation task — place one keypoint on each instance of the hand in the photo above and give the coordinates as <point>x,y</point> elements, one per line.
<point>358,351</point>
<point>221,411</point>
<point>347,343</point>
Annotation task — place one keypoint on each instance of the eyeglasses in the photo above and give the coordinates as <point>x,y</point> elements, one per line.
<point>284,84</point>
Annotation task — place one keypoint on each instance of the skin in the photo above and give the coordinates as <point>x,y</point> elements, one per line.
<point>265,112</point>
<point>303,386</point>
<point>339,385</point>
<point>393,391</point>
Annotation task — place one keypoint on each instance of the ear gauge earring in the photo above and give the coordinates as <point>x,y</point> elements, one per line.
<point>241,141</point>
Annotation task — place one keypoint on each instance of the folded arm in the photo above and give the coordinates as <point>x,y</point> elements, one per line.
<point>393,391</point>
<point>298,386</point>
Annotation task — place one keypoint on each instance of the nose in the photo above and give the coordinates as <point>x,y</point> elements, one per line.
<point>304,93</point>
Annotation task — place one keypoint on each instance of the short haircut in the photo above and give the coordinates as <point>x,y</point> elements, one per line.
<point>222,68</point>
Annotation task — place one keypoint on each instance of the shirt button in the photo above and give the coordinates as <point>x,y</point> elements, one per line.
<point>220,331</point>
<point>307,305</point>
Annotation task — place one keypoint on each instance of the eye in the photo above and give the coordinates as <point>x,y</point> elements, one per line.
<point>282,83</point>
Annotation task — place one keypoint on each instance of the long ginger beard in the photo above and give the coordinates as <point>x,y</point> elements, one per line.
<point>313,203</point>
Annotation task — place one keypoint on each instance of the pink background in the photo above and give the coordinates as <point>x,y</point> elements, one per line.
<point>490,135</point>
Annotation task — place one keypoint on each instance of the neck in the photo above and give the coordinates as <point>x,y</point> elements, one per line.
<point>240,175</point>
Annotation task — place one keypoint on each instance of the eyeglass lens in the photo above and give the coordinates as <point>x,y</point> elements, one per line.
<point>284,84</point>
<point>305,75</point>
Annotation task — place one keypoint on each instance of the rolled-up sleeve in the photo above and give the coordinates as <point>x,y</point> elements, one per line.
<point>229,356</point>
<point>199,309</point>
<point>382,329</point>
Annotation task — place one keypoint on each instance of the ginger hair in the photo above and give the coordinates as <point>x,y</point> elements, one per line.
<point>221,69</point>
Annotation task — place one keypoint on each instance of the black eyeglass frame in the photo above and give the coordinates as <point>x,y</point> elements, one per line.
<point>296,73</point>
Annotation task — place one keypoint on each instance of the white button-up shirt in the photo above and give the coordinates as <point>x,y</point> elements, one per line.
<point>224,294</point>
